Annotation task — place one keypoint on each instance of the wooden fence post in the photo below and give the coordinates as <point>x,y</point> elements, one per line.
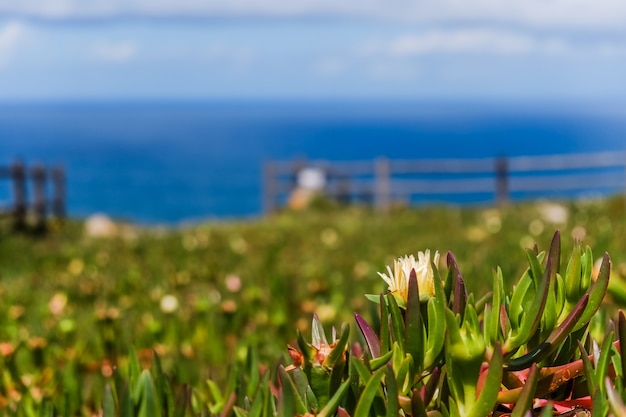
<point>382,172</point>
<point>58,192</point>
<point>18,175</point>
<point>39,196</point>
<point>502,180</point>
<point>342,188</point>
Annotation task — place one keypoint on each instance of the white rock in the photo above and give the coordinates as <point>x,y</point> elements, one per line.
<point>554,213</point>
<point>100,225</point>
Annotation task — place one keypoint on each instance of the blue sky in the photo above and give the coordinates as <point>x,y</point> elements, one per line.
<point>429,49</point>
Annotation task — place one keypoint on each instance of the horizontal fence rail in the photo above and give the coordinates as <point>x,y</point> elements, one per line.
<point>383,181</point>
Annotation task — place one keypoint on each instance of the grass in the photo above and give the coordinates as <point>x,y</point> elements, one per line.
<point>71,306</point>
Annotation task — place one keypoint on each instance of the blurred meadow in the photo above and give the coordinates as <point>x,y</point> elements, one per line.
<point>73,305</point>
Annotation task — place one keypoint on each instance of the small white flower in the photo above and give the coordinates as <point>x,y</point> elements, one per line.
<point>398,279</point>
<point>169,303</point>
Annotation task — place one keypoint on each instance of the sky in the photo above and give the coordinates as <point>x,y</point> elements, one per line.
<point>568,50</point>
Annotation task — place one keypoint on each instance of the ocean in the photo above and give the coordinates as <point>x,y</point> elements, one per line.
<point>174,162</point>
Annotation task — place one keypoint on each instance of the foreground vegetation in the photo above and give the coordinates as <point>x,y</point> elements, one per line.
<point>79,312</point>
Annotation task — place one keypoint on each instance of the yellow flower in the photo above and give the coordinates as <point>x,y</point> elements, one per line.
<point>398,279</point>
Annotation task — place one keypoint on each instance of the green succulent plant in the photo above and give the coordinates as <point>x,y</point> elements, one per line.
<point>517,353</point>
<point>506,353</point>
<point>443,353</point>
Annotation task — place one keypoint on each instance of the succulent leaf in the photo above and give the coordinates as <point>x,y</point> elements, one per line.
<point>615,400</point>
<point>381,360</point>
<point>436,318</point>
<point>417,406</point>
<point>574,284</point>
<point>338,353</point>
<point>464,353</point>
<point>334,402</point>
<point>369,335</point>
<point>290,402</point>
<point>531,318</point>
<point>392,393</point>
<point>459,295</point>
<point>527,394</point>
<point>385,344</point>
<point>404,374</point>
<point>432,386</point>
<point>372,389</point>
<point>397,322</point>
<point>516,305</point>
<point>413,326</point>
<point>108,406</point>
<point>492,313</point>
<point>596,292</point>
<point>487,398</point>
<point>436,331</point>
<point>621,328</point>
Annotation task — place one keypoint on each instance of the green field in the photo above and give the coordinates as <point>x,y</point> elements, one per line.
<point>72,306</point>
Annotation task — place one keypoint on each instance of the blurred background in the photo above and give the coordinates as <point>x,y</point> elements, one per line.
<point>164,112</point>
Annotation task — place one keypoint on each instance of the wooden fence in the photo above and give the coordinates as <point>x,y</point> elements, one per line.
<point>34,200</point>
<point>383,181</point>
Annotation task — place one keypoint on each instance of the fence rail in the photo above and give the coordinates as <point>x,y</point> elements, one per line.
<point>34,199</point>
<point>384,181</point>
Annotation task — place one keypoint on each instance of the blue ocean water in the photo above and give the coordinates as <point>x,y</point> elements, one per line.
<point>171,162</point>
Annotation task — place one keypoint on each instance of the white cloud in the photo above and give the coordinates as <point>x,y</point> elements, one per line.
<point>61,9</point>
<point>460,41</point>
<point>576,14</point>
<point>114,51</point>
<point>10,35</point>
<point>610,50</point>
<point>489,41</point>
